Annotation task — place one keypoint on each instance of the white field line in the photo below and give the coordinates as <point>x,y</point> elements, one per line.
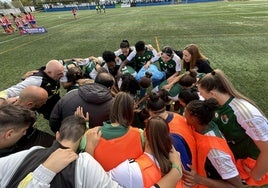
<point>18,37</point>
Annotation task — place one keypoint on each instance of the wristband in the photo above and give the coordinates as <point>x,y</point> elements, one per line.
<point>156,185</point>
<point>87,125</point>
<point>177,167</point>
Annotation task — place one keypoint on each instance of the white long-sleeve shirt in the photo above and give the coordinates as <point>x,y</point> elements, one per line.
<point>88,172</point>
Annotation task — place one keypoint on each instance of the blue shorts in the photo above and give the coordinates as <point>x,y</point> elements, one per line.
<point>4,27</point>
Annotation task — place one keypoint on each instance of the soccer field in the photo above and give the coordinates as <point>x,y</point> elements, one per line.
<point>233,35</point>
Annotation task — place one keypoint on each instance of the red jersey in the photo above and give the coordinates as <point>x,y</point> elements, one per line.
<point>2,22</point>
<point>74,11</point>
<point>23,20</point>
<point>18,22</point>
<point>31,17</point>
<point>28,17</point>
<point>6,20</point>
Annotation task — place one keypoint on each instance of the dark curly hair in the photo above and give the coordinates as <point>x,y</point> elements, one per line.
<point>129,84</point>
<point>203,110</point>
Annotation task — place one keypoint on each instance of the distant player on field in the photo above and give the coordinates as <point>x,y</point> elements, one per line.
<point>98,9</point>
<point>74,12</point>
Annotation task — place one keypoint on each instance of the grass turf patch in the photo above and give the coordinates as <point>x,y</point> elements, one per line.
<point>233,35</point>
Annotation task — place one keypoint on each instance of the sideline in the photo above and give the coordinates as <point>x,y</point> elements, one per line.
<point>23,44</point>
<point>46,35</point>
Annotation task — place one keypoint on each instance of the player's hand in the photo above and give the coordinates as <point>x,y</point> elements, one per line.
<point>79,112</point>
<point>29,73</point>
<point>93,137</point>
<point>147,65</point>
<point>60,159</point>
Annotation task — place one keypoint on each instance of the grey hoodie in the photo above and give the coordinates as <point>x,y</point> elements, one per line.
<point>95,99</point>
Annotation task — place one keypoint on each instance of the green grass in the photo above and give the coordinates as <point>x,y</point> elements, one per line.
<point>233,35</point>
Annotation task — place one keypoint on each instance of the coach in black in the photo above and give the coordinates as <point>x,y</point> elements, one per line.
<point>48,78</point>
